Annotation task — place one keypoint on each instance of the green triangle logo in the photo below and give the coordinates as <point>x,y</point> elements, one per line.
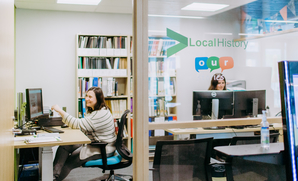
<point>183,42</point>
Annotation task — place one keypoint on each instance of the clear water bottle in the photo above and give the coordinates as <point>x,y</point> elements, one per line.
<point>265,137</point>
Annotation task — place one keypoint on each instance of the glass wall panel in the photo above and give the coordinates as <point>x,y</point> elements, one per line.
<point>235,42</point>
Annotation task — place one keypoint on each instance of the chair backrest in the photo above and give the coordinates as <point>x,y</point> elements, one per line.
<point>120,146</point>
<point>177,160</point>
<point>256,139</point>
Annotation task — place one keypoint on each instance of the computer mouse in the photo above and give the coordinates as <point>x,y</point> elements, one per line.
<point>64,126</point>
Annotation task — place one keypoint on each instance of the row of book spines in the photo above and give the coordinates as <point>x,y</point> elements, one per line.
<point>116,123</point>
<point>102,42</point>
<point>102,63</point>
<point>159,47</point>
<point>109,86</point>
<point>158,107</point>
<point>161,132</point>
<point>161,86</point>
<point>159,66</point>
<point>117,107</point>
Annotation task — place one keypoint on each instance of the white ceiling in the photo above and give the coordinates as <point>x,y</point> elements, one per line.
<point>159,7</point>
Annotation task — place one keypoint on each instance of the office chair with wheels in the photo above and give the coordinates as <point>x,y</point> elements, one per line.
<point>177,160</point>
<point>122,159</point>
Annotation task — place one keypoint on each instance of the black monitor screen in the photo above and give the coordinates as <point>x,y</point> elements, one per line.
<point>243,102</point>
<point>34,107</point>
<point>205,100</point>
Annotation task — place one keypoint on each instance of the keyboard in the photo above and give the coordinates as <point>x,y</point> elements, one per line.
<point>214,128</point>
<point>52,130</point>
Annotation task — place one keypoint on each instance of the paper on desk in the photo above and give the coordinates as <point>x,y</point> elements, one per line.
<point>41,139</point>
<point>22,138</point>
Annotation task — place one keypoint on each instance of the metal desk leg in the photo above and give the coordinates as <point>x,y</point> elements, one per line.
<point>46,163</point>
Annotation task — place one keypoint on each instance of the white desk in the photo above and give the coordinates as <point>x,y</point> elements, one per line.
<point>69,137</point>
<point>223,133</point>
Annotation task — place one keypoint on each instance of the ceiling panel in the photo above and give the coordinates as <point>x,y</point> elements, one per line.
<point>160,7</point>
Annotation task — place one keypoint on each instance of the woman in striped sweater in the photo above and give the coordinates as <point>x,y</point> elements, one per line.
<point>98,125</point>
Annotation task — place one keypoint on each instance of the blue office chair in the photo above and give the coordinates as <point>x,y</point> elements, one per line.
<point>122,158</point>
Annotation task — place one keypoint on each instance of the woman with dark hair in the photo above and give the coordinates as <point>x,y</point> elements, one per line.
<point>97,124</point>
<point>218,82</point>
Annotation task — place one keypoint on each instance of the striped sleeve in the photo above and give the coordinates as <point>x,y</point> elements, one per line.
<point>98,125</point>
<point>84,124</point>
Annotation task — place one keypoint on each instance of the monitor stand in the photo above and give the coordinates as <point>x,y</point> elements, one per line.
<point>215,108</point>
<point>214,114</point>
<point>255,107</point>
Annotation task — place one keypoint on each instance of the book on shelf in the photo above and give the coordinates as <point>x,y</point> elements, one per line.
<point>104,86</point>
<point>150,131</point>
<point>116,126</point>
<point>158,46</point>
<point>159,132</point>
<point>95,82</point>
<point>80,108</point>
<point>116,123</point>
<point>109,66</point>
<point>131,86</point>
<point>131,127</point>
<point>116,88</point>
<point>160,86</point>
<point>110,89</point>
<point>131,105</point>
<point>83,107</point>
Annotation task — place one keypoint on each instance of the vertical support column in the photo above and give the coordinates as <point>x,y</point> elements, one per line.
<point>140,91</point>
<point>46,163</point>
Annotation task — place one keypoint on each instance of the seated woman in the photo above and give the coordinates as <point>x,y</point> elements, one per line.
<point>98,125</point>
<point>218,82</point>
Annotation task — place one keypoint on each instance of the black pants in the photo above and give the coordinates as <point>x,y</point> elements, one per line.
<point>68,158</point>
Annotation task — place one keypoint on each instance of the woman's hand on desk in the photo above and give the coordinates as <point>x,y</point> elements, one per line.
<point>58,109</point>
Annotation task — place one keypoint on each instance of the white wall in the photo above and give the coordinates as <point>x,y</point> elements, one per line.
<point>45,49</point>
<point>45,53</point>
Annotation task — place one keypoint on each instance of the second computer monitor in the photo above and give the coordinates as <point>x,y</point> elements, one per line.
<point>202,103</point>
<point>249,103</point>
<point>34,107</point>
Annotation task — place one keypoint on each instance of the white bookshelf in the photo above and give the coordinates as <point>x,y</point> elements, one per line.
<point>94,55</point>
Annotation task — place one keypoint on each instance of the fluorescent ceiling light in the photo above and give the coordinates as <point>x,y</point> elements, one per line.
<point>204,7</point>
<point>171,16</point>
<point>156,31</point>
<point>219,33</point>
<point>280,21</point>
<point>245,34</point>
<point>79,2</point>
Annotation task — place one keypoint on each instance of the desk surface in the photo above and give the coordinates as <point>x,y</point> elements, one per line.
<point>249,150</point>
<point>69,137</point>
<point>276,126</point>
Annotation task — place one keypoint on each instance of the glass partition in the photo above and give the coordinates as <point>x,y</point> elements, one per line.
<point>228,46</point>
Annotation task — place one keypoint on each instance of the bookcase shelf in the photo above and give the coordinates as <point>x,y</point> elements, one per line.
<point>162,83</point>
<point>105,61</point>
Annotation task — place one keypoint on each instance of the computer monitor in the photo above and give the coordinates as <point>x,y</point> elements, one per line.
<point>34,106</point>
<point>249,103</point>
<point>202,103</point>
